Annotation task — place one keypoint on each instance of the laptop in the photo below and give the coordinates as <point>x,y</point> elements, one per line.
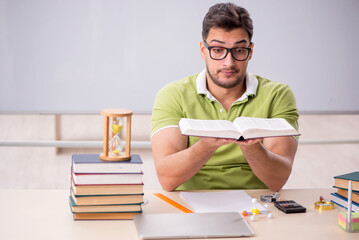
<point>191,225</point>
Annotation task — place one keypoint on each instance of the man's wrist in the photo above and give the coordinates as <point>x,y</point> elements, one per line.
<point>251,146</point>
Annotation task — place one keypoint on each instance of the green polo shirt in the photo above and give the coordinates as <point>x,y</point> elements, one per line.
<point>189,98</point>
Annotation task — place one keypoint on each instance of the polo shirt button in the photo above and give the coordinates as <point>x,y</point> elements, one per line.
<point>221,110</point>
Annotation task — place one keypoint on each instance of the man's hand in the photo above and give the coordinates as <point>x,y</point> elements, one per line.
<point>217,142</point>
<point>249,142</point>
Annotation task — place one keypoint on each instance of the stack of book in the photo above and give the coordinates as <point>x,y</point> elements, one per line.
<point>105,189</point>
<point>340,197</point>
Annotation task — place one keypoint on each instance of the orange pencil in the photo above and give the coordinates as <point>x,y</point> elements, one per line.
<point>173,203</point>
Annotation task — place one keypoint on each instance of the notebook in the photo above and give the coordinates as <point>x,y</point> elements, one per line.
<point>191,225</point>
<point>221,201</point>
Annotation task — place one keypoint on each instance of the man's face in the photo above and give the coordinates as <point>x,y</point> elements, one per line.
<point>228,72</point>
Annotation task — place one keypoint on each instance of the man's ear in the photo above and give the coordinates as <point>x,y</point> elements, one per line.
<point>202,49</point>
<point>250,54</point>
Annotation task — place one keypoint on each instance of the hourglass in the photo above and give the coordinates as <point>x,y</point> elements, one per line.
<point>113,149</point>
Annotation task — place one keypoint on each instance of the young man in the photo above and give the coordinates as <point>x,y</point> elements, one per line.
<point>224,90</point>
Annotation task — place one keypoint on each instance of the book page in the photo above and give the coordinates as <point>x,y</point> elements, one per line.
<point>208,128</point>
<point>210,124</point>
<point>263,127</point>
<point>221,201</point>
<point>244,123</point>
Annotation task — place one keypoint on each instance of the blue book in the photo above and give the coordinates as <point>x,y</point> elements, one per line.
<point>92,163</point>
<point>341,181</point>
<point>343,202</point>
<point>354,176</point>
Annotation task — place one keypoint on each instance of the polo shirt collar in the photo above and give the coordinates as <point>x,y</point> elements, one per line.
<point>251,86</point>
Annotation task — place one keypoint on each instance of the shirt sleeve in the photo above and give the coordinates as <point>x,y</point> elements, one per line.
<point>167,109</point>
<point>285,106</point>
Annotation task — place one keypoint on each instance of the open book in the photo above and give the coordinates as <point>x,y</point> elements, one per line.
<point>241,128</point>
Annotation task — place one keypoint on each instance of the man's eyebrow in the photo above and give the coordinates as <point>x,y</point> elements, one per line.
<point>242,41</point>
<point>238,42</point>
<point>215,40</point>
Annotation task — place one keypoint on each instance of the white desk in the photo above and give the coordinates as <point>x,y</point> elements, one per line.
<point>45,214</point>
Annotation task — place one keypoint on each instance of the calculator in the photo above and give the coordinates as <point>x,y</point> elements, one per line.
<point>289,206</point>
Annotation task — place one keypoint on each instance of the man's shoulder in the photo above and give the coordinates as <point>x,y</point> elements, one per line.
<point>270,85</point>
<point>267,82</point>
<point>170,102</point>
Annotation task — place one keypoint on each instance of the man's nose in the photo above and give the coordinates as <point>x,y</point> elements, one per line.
<point>229,60</point>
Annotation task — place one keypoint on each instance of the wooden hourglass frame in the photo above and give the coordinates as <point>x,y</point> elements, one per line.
<point>116,113</point>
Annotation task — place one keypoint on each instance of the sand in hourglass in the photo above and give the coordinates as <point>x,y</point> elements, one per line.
<point>116,143</point>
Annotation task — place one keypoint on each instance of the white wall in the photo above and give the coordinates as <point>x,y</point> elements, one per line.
<point>83,56</point>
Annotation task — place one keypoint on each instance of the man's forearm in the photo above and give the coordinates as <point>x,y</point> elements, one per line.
<point>177,168</point>
<point>271,168</point>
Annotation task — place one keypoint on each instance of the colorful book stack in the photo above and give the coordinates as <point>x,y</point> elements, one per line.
<point>105,189</point>
<point>340,197</point>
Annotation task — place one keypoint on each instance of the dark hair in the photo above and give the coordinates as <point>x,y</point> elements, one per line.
<point>227,16</point>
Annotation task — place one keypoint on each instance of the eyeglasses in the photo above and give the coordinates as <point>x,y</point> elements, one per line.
<point>219,53</point>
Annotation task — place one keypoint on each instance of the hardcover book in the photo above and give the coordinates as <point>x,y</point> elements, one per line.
<point>110,189</point>
<point>344,193</point>
<point>341,181</point>
<point>104,208</point>
<point>91,163</point>
<point>343,202</point>
<point>106,199</point>
<point>109,178</point>
<point>105,216</point>
<point>242,128</point>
